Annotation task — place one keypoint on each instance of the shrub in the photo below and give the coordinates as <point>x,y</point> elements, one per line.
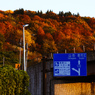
<point>13,82</point>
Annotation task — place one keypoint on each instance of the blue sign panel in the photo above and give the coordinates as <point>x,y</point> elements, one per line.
<point>70,64</point>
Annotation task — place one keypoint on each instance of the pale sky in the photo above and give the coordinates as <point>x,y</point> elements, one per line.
<point>83,7</point>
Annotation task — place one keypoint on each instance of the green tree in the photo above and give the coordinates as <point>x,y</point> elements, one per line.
<point>2,40</point>
<point>13,82</point>
<point>11,58</point>
<point>49,29</point>
<point>49,46</point>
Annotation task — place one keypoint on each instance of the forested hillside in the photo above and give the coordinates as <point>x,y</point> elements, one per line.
<point>47,33</point>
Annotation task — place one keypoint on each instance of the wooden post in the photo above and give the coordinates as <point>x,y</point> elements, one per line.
<point>74,49</point>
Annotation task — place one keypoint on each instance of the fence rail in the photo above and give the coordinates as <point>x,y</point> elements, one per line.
<point>84,48</point>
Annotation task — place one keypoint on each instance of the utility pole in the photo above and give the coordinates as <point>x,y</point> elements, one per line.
<point>20,53</point>
<point>3,61</point>
<point>26,56</point>
<point>24,45</point>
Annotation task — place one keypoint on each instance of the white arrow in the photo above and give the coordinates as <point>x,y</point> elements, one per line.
<point>78,71</point>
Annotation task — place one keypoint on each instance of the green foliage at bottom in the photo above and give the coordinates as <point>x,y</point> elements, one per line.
<point>13,82</point>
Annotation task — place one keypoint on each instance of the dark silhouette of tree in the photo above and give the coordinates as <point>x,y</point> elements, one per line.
<point>68,14</point>
<point>39,13</point>
<point>61,13</point>
<point>20,11</point>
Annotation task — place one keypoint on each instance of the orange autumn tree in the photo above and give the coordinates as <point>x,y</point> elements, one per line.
<point>24,18</point>
<point>48,36</point>
<point>2,28</point>
<point>40,35</point>
<point>1,16</point>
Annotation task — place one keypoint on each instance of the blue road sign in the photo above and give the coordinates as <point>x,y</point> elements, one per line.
<point>70,64</point>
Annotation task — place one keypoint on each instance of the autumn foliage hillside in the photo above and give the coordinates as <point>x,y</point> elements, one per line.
<point>47,33</point>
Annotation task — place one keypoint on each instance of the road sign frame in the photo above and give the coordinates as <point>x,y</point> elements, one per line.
<point>69,64</point>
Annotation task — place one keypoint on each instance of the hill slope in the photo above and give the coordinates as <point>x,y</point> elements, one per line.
<point>53,32</point>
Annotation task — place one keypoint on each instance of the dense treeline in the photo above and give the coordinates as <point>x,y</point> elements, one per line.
<point>53,33</point>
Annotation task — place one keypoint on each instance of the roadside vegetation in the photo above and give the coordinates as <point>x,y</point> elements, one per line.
<point>13,82</point>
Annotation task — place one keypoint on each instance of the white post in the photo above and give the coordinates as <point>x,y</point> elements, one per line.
<point>24,49</point>
<point>24,46</point>
<point>65,51</point>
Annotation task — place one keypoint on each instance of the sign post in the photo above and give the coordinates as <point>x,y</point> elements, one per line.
<point>70,64</point>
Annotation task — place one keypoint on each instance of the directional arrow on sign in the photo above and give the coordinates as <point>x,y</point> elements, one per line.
<point>79,66</point>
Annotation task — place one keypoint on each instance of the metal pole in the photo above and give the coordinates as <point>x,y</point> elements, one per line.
<point>24,45</point>
<point>20,53</point>
<point>3,61</point>
<point>26,55</point>
<point>24,48</point>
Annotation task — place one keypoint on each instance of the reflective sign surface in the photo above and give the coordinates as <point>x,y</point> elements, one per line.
<point>70,64</point>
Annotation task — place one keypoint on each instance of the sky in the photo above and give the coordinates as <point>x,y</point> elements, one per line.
<point>85,8</point>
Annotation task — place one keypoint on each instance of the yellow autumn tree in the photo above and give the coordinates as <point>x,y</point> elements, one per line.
<point>9,11</point>
<point>28,37</point>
